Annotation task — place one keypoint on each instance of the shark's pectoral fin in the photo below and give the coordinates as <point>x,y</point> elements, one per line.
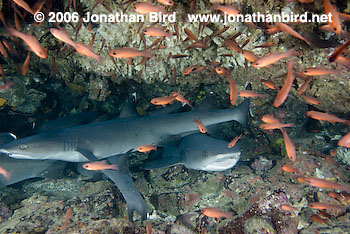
<point>87,154</point>
<point>123,181</point>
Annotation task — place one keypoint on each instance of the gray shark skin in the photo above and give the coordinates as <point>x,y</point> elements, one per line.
<point>198,152</point>
<point>105,139</point>
<point>22,169</point>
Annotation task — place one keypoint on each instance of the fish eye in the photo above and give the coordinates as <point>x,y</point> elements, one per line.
<point>114,53</point>
<point>23,146</point>
<point>145,30</point>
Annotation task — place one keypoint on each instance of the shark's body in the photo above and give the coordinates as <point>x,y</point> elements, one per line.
<point>198,152</point>
<point>105,139</point>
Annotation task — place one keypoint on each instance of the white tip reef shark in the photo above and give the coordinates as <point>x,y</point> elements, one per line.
<point>101,140</point>
<point>198,152</point>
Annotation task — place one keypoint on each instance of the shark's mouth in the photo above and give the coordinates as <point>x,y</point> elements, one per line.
<point>21,156</point>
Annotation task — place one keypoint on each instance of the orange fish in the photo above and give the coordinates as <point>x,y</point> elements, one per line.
<point>24,5</point>
<point>311,100</point>
<point>149,228</point>
<point>233,45</point>
<point>269,84</point>
<point>250,94</point>
<point>5,173</point>
<point>271,126</point>
<point>2,72</point>
<point>304,86</point>
<point>338,51</point>
<point>156,32</point>
<point>333,195</point>
<point>318,219</point>
<point>318,71</point>
<point>285,28</point>
<point>345,141</point>
<point>326,206</point>
<point>181,98</point>
<point>268,118</point>
<point>284,91</point>
<point>234,141</point>
<point>249,55</point>
<point>146,8</point>
<point>287,207</point>
<point>335,20</point>
<point>146,148</point>
<point>273,58</point>
<point>265,45</point>
<point>289,144</point>
<point>214,212</point>
<point>343,61</point>
<point>200,126</point>
<point>30,40</point>
<point>193,68</point>
<point>227,9</point>
<point>326,117</point>
<point>222,71</point>
<point>166,2</point>
<point>99,165</point>
<point>62,35</point>
<point>287,167</point>
<point>3,50</point>
<point>233,91</point>
<point>67,218</point>
<point>87,51</point>
<point>25,66</point>
<point>163,100</point>
<point>323,183</point>
<point>128,52</point>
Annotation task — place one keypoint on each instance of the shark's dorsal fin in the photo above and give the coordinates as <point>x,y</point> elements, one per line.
<point>129,109</point>
<point>6,137</point>
<point>208,103</point>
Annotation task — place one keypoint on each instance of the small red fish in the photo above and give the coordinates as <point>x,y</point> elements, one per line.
<point>287,207</point>
<point>100,165</point>
<point>128,52</point>
<point>345,141</point>
<point>268,118</point>
<point>271,126</point>
<point>273,58</point>
<point>318,71</point>
<point>250,94</point>
<point>62,35</point>
<point>25,66</point>
<point>326,117</point>
<point>156,32</point>
<point>284,91</point>
<point>193,68</point>
<point>289,144</point>
<point>287,167</point>
<point>216,213</point>
<point>200,126</point>
<point>234,141</point>
<point>5,173</point>
<point>163,100</point>
<point>166,2</point>
<point>181,98</point>
<point>147,7</point>
<point>146,148</point>
<point>30,40</point>
<point>87,51</point>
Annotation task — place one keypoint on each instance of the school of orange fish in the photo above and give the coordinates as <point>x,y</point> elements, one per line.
<point>270,122</point>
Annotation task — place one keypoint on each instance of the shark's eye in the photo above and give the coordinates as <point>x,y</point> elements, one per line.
<point>23,146</point>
